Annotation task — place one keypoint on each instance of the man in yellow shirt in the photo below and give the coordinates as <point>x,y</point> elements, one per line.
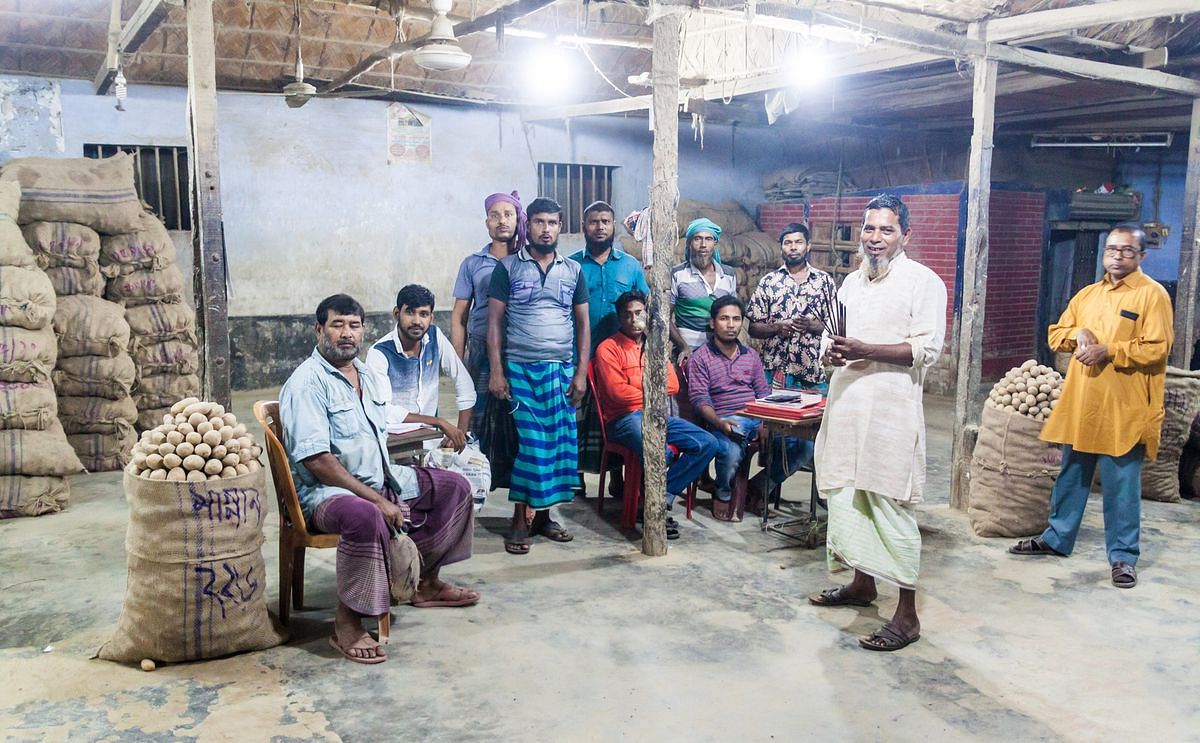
<point>1111,410</point>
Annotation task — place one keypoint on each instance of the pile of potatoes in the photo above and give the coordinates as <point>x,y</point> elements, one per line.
<point>1029,389</point>
<point>197,441</point>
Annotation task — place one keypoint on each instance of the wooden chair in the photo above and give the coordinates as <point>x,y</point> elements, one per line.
<point>294,536</point>
<point>632,495</point>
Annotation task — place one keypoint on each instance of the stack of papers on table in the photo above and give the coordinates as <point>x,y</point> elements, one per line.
<point>788,405</point>
<point>395,428</point>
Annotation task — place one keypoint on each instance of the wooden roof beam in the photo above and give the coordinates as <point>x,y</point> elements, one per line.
<point>144,21</point>
<point>1042,22</point>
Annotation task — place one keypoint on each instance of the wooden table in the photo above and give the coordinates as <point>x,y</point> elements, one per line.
<point>402,446</point>
<point>805,429</point>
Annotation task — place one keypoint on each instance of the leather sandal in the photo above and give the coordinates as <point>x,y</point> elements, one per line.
<point>1034,547</point>
<point>722,510</point>
<point>1124,575</point>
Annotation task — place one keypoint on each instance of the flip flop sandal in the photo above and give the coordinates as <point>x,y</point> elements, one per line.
<point>466,597</point>
<point>1124,575</point>
<point>1033,548</point>
<point>722,510</point>
<point>552,530</point>
<point>517,542</point>
<point>346,654</point>
<point>836,597</point>
<point>887,639</point>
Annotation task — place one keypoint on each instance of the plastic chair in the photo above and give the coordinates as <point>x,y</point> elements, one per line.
<point>632,495</point>
<point>294,536</point>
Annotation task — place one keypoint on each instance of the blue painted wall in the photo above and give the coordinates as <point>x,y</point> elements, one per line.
<point>1164,170</point>
<point>311,206</point>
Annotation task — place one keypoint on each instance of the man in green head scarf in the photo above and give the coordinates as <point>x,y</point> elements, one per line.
<point>696,284</point>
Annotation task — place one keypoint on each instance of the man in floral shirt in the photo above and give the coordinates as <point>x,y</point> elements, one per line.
<point>788,310</point>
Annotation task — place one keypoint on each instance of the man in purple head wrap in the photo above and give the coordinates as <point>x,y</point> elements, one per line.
<point>505,223</point>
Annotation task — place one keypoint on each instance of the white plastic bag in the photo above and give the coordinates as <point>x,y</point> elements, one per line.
<point>470,463</point>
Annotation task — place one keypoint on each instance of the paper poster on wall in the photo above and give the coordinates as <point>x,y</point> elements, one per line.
<point>30,118</point>
<point>409,135</point>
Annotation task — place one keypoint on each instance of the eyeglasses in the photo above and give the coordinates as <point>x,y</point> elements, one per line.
<point>1124,252</point>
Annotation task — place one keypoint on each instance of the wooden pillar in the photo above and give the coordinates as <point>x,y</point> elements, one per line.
<point>1186,298</point>
<point>208,238</point>
<point>664,198</point>
<point>974,282</point>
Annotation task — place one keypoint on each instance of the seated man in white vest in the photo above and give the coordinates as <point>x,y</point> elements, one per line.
<point>410,361</point>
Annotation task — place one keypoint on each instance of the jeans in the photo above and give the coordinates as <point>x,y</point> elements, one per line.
<point>798,453</point>
<point>1121,479</point>
<point>696,447</point>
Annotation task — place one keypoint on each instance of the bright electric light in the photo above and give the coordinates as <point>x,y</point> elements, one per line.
<point>549,72</point>
<point>809,68</point>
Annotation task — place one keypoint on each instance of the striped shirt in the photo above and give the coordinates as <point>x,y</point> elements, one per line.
<point>724,384</point>
<point>691,298</point>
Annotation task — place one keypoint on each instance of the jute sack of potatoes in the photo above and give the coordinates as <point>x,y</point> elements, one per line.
<point>90,326</point>
<point>197,583</point>
<point>43,452</point>
<point>63,244</point>
<point>99,193</point>
<point>154,323</point>
<point>150,248</point>
<point>32,496</point>
<point>164,286</point>
<point>96,414</point>
<point>14,251</point>
<point>69,281</point>
<point>95,376</point>
<point>103,452</point>
<point>26,298</point>
<point>29,405</point>
<point>167,357</point>
<point>27,355</point>
<point>162,390</point>
<point>1012,474</point>
<point>1181,405</point>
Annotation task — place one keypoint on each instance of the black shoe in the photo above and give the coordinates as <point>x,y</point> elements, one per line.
<point>672,526</point>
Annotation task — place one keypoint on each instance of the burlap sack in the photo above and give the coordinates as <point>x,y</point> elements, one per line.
<point>197,583</point>
<point>148,249</point>
<point>38,452</point>
<point>97,193</point>
<point>26,298</point>
<point>96,414</point>
<point>152,323</point>
<point>112,377</point>
<point>151,418</point>
<point>757,250</point>
<point>32,496</point>
<point>103,452</point>
<point>63,244</point>
<point>90,326</point>
<point>729,216</point>
<point>68,281</point>
<point>164,286</point>
<point>164,390</point>
<point>168,357</point>
<point>27,405</point>
<point>27,355</point>
<point>1012,474</point>
<point>14,251</point>
<point>1181,404</point>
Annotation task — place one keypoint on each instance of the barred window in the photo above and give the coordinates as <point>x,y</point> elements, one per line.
<point>574,186</point>
<point>161,176</point>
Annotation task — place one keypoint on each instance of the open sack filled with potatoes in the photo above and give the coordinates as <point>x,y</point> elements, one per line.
<point>1012,470</point>
<point>197,502</point>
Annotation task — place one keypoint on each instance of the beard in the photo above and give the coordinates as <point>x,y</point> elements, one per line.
<point>874,267</point>
<point>544,249</point>
<point>794,262</point>
<point>600,246</point>
<point>332,352</point>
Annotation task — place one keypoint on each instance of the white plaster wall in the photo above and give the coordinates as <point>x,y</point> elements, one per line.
<point>311,206</point>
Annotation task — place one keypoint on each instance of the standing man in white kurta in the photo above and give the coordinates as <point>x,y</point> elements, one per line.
<point>870,452</point>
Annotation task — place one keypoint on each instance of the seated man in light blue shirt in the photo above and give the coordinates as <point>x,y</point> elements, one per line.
<point>332,412</point>
<point>410,361</point>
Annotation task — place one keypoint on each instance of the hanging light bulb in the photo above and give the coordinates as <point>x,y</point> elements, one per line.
<point>120,88</point>
<point>298,92</point>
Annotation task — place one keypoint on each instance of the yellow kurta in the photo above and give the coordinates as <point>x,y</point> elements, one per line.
<point>1109,408</point>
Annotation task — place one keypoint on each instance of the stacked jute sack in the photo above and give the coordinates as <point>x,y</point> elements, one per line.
<point>143,277</point>
<point>1169,475</point>
<point>66,204</point>
<point>35,457</point>
<point>197,583</point>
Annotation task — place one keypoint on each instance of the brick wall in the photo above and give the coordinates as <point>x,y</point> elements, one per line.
<point>1014,264</point>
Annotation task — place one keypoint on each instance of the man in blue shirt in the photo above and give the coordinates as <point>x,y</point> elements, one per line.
<point>609,273</point>
<point>538,347</point>
<point>332,411</point>
<point>505,222</point>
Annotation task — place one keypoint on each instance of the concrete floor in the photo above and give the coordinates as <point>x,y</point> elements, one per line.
<point>593,641</point>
